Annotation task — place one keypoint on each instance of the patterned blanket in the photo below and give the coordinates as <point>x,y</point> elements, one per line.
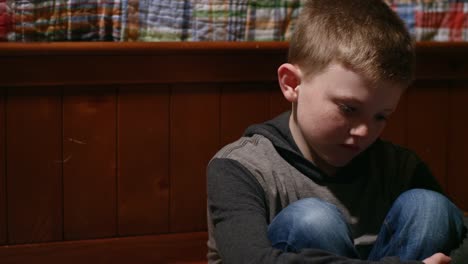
<point>199,20</point>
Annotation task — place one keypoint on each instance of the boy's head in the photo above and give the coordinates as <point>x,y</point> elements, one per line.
<point>349,63</point>
<point>363,35</point>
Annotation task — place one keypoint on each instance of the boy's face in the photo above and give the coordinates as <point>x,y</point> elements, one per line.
<point>338,115</point>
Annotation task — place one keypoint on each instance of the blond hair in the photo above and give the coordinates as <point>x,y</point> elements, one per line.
<point>364,35</point>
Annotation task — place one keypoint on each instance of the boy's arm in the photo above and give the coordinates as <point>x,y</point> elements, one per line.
<point>237,206</point>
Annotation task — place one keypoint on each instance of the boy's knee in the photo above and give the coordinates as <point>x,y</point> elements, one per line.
<point>311,213</point>
<point>309,220</point>
<point>436,220</point>
<point>433,211</point>
<point>421,201</point>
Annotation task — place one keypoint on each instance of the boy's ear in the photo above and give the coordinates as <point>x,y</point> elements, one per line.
<point>289,78</point>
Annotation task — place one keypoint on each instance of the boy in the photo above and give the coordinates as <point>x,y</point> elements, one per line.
<point>316,185</point>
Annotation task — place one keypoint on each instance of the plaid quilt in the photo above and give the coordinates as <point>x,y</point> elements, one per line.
<point>435,20</point>
<point>199,20</point>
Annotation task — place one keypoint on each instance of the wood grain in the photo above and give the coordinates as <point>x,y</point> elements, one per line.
<point>34,165</point>
<point>143,160</point>
<point>201,63</point>
<point>3,208</point>
<point>242,105</point>
<point>89,152</point>
<point>427,125</point>
<point>278,104</point>
<point>106,193</point>
<point>177,248</point>
<point>457,157</point>
<point>194,141</point>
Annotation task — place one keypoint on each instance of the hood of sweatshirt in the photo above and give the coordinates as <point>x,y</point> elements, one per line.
<point>278,132</point>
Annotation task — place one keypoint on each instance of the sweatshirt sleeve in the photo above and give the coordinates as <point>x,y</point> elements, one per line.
<point>238,209</point>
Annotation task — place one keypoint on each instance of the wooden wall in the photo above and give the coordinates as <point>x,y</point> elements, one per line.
<point>103,146</point>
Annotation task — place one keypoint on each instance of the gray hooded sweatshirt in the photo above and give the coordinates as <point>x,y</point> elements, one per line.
<point>251,180</point>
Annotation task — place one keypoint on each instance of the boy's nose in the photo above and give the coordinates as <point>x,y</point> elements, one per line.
<point>360,130</point>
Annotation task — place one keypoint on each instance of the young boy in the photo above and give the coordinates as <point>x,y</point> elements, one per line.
<point>317,185</point>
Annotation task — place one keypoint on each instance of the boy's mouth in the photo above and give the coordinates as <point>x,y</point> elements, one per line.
<point>351,147</point>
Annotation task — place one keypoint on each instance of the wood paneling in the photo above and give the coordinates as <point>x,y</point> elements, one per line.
<point>133,162</point>
<point>458,145</point>
<point>427,125</point>
<point>241,106</point>
<point>441,60</point>
<point>194,141</point>
<point>34,165</point>
<point>179,248</point>
<point>241,62</point>
<point>3,215</point>
<point>278,104</point>
<point>397,127</point>
<point>89,153</point>
<point>143,160</point>
<point>174,63</point>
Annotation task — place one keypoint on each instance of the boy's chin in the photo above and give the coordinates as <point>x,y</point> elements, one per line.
<point>339,163</point>
<point>333,163</point>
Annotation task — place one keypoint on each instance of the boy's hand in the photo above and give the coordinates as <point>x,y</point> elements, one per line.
<point>437,258</point>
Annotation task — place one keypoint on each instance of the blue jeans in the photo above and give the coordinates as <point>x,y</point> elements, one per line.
<point>419,224</point>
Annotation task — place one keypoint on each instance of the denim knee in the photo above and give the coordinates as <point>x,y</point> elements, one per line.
<point>428,207</point>
<point>311,223</point>
<point>430,218</point>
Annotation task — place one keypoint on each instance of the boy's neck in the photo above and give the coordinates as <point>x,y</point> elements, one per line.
<point>306,150</point>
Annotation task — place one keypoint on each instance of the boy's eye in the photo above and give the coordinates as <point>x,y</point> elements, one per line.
<point>346,108</point>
